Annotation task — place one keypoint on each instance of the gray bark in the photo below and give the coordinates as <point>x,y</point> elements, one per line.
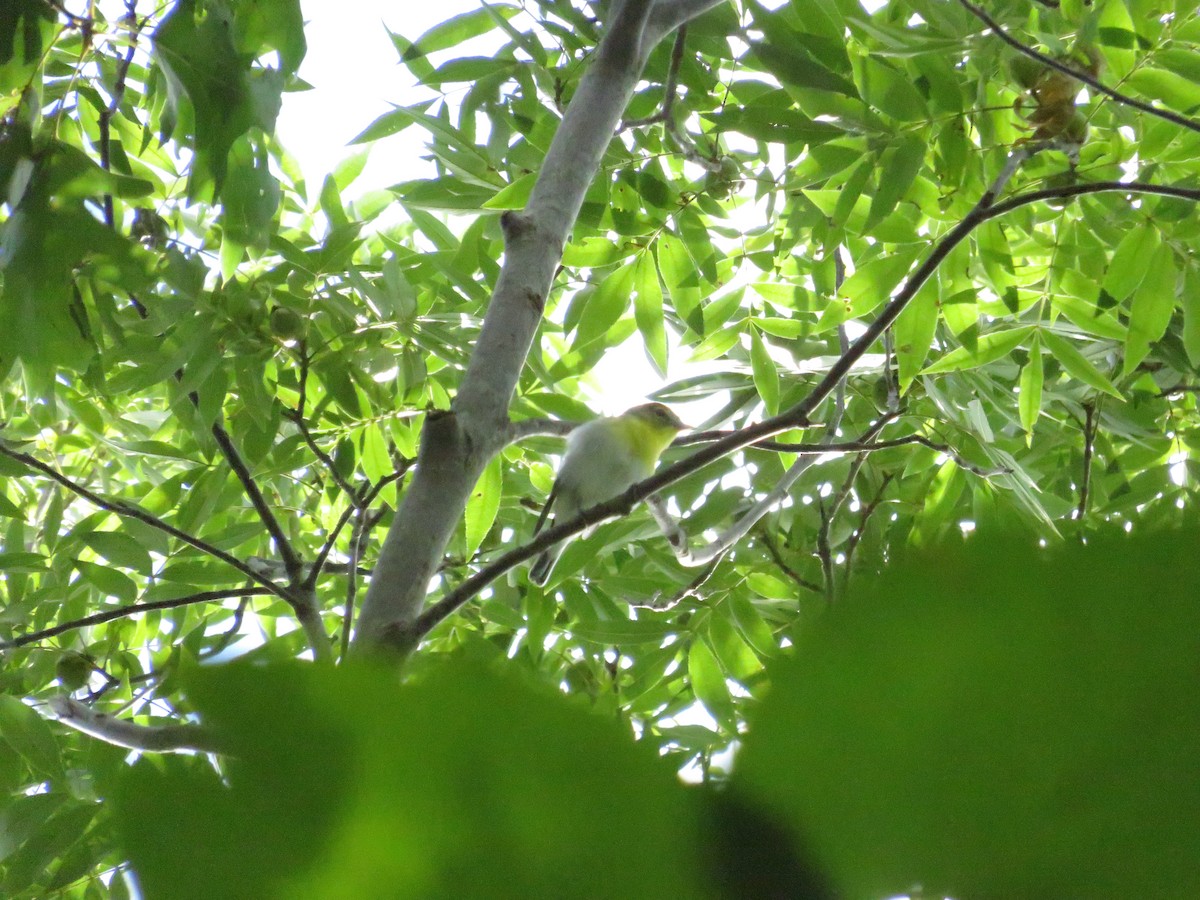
<point>457,445</point>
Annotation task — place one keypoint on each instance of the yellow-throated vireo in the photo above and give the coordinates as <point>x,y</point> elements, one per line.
<point>604,458</point>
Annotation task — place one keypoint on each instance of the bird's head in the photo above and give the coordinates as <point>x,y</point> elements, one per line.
<point>658,417</point>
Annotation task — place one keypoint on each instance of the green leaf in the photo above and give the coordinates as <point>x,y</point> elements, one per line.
<point>1152,307</point>
<point>396,776</point>
<point>913,333</point>
<point>110,582</point>
<point>385,126</point>
<point>482,506</point>
<point>606,305</point>
<point>458,29</point>
<point>766,375</point>
<point>211,87</point>
<point>621,631</point>
<point>648,311</point>
<point>893,697</point>
<point>271,25</point>
<point>869,287</point>
<point>1191,315</point>
<point>331,203</point>
<point>1128,264</point>
<point>1077,365</point>
<point>27,733</point>
<point>515,195</point>
<point>120,549</point>
<point>250,195</point>
<point>890,91</point>
<point>752,625</point>
<point>1030,388</point>
<point>1176,91</point>
<point>708,681</point>
<point>900,167</point>
<point>989,348</point>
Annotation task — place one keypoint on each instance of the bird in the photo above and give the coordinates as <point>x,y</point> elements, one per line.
<point>604,458</point>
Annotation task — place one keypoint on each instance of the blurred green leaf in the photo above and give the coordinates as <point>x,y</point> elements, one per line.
<point>1013,759</point>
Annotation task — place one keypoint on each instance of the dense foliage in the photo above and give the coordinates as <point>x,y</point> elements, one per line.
<point>215,376</point>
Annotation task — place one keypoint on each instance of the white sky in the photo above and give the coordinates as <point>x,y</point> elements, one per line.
<point>356,77</point>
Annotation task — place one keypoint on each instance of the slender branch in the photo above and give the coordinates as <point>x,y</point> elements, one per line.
<point>148,738</point>
<point>357,536</point>
<point>1089,440</point>
<point>867,512</point>
<point>668,15</point>
<point>234,629</point>
<point>106,114</point>
<point>291,559</point>
<point>777,558</point>
<point>669,87</point>
<point>824,554</point>
<point>1077,74</point>
<point>855,446</point>
<point>297,419</point>
<point>123,509</point>
<point>131,609</point>
<point>404,637</point>
<point>688,590</point>
<point>318,565</point>
<point>839,499</point>
<point>666,114</point>
<point>1181,388</point>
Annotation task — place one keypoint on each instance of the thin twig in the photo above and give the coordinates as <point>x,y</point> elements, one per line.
<point>118,93</point>
<point>1077,74</point>
<point>824,554</point>
<point>1181,388</point>
<point>856,536</point>
<point>670,87</point>
<point>291,559</point>
<point>318,565</point>
<point>131,609</point>
<point>527,428</point>
<point>688,590</point>
<point>1089,441</point>
<point>234,629</point>
<point>777,558</point>
<point>356,535</point>
<point>666,113</point>
<point>296,417</point>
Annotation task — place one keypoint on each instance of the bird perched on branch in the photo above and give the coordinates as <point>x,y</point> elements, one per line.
<point>604,458</point>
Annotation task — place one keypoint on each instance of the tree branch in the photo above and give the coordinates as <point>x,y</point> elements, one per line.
<point>131,609</point>
<point>777,558</point>
<point>118,92</point>
<point>527,428</point>
<point>291,559</point>
<point>123,509</point>
<point>1089,440</point>
<point>1077,74</point>
<point>403,636</point>
<point>309,618</point>
<point>456,446</point>
<point>671,14</point>
<point>868,511</point>
<point>148,738</point>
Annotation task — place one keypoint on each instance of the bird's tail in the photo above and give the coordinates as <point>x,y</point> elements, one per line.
<point>539,572</point>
